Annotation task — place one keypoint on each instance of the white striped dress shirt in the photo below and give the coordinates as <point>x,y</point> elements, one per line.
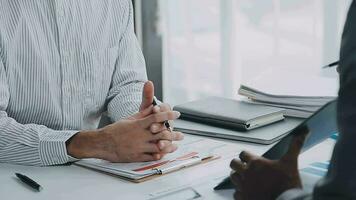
<point>62,64</point>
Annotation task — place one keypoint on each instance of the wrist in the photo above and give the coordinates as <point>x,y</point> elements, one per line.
<point>87,144</point>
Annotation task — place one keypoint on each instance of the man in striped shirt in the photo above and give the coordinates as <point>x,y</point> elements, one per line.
<point>62,64</point>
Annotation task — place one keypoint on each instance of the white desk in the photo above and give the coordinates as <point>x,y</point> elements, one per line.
<point>74,182</point>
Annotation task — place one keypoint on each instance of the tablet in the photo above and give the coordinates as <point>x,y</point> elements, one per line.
<point>321,125</point>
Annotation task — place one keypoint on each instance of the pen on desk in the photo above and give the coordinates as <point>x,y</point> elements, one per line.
<point>29,182</point>
<point>331,64</point>
<point>166,123</point>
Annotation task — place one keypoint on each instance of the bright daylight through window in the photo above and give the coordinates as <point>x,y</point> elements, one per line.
<point>211,46</point>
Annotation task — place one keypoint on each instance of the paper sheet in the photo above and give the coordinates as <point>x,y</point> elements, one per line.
<point>189,150</point>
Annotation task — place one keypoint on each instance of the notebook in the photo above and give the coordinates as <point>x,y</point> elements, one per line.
<point>266,135</point>
<point>191,151</point>
<point>229,113</point>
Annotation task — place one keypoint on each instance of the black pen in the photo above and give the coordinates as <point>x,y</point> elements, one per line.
<point>331,64</point>
<point>166,123</point>
<point>29,182</point>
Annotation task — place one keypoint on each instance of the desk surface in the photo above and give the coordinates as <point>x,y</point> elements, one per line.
<point>72,182</point>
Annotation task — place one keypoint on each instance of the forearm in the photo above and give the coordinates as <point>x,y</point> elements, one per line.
<point>89,144</point>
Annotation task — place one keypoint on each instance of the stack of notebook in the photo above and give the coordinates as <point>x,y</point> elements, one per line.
<point>300,94</point>
<point>233,119</point>
<point>293,105</point>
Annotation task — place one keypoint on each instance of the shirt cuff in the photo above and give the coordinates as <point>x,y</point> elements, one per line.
<point>72,159</point>
<point>52,147</point>
<point>292,194</point>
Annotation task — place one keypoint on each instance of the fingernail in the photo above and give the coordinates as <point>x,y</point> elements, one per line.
<point>177,114</point>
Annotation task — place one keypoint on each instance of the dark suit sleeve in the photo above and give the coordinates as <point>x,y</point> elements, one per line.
<point>340,182</point>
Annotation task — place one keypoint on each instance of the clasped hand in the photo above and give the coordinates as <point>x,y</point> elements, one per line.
<point>143,136</point>
<point>138,138</point>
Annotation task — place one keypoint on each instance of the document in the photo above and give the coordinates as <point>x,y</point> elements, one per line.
<point>191,151</point>
<point>317,168</point>
<point>299,95</point>
<point>314,163</point>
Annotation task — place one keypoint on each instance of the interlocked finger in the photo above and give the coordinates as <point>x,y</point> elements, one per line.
<point>157,127</point>
<point>150,148</point>
<point>167,146</point>
<point>164,107</point>
<point>159,118</point>
<point>167,135</point>
<point>147,157</point>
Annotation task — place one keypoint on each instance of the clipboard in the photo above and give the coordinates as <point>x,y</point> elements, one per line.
<point>206,160</point>
<point>162,170</point>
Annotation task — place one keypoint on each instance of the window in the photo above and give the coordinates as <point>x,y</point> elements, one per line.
<point>210,47</point>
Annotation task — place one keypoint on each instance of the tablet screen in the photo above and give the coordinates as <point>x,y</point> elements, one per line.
<point>321,125</point>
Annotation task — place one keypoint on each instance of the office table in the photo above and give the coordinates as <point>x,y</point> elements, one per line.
<point>74,182</point>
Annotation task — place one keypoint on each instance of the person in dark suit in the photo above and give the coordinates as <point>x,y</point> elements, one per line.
<point>258,178</point>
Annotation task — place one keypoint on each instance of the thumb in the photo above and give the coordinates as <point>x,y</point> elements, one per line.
<point>147,95</point>
<point>296,144</point>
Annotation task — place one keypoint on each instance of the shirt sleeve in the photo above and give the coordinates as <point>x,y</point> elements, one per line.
<point>130,72</point>
<point>28,144</point>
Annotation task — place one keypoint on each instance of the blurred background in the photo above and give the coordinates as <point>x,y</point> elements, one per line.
<point>198,48</point>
